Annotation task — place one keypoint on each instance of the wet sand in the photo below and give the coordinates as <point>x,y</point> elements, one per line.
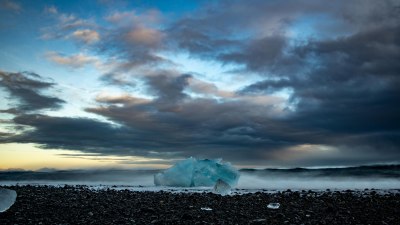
<point>82,205</point>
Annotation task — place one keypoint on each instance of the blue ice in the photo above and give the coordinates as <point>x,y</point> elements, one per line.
<point>194,172</point>
<point>7,199</point>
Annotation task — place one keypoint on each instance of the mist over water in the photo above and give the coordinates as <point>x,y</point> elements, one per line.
<point>249,181</point>
<point>378,177</point>
<point>80,177</point>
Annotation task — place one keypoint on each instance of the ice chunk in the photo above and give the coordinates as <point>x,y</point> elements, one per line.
<point>222,188</point>
<point>7,198</point>
<point>258,221</point>
<point>194,172</point>
<point>180,175</point>
<point>206,208</point>
<point>273,205</point>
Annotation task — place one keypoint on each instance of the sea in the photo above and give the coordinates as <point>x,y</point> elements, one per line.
<point>379,177</point>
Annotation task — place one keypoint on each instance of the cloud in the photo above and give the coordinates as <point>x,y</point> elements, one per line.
<point>71,133</point>
<point>73,61</point>
<point>167,88</point>
<point>187,35</point>
<point>260,54</point>
<point>26,88</point>
<point>144,36</point>
<point>257,32</point>
<point>135,41</point>
<point>10,5</point>
<point>51,9</point>
<point>66,25</point>
<point>87,36</point>
<point>171,124</point>
<point>127,18</point>
<point>120,99</point>
<point>207,89</point>
<point>225,27</point>
<point>114,3</point>
<point>175,125</point>
<point>70,21</point>
<point>130,45</point>
<point>203,127</point>
<point>348,91</point>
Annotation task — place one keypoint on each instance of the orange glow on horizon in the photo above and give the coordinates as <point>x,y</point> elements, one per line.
<point>29,157</point>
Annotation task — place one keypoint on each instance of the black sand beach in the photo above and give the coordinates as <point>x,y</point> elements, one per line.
<point>81,205</point>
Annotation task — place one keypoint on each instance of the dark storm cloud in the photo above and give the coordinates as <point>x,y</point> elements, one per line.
<point>187,34</point>
<point>74,133</point>
<point>352,93</point>
<point>168,89</point>
<point>343,85</point>
<point>226,27</point>
<point>182,126</point>
<point>159,133</point>
<point>255,34</point>
<point>26,88</point>
<point>259,55</point>
<point>172,124</point>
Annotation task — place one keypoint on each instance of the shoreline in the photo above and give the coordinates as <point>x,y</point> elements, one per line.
<point>82,205</point>
<point>153,188</point>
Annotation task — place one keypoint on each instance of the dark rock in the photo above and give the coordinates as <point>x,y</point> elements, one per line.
<point>186,216</point>
<point>147,210</point>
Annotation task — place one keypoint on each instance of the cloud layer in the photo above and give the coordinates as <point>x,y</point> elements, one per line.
<point>322,81</point>
<point>25,89</point>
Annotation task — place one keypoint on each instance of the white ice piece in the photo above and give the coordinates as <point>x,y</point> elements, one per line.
<point>206,208</point>
<point>7,199</point>
<point>273,205</point>
<point>194,172</point>
<point>222,188</point>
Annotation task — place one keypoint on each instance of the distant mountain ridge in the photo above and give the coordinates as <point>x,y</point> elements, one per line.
<point>359,171</point>
<point>378,166</point>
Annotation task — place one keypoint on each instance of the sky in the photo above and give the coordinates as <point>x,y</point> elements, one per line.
<point>142,84</point>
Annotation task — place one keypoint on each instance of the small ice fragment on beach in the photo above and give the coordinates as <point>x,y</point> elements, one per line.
<point>206,209</point>
<point>194,172</point>
<point>273,205</point>
<point>7,199</point>
<point>222,188</point>
<point>259,220</point>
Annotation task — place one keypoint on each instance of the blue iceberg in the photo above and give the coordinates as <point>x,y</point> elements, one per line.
<point>194,172</point>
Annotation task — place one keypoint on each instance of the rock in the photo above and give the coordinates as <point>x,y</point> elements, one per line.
<point>147,210</point>
<point>186,216</point>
